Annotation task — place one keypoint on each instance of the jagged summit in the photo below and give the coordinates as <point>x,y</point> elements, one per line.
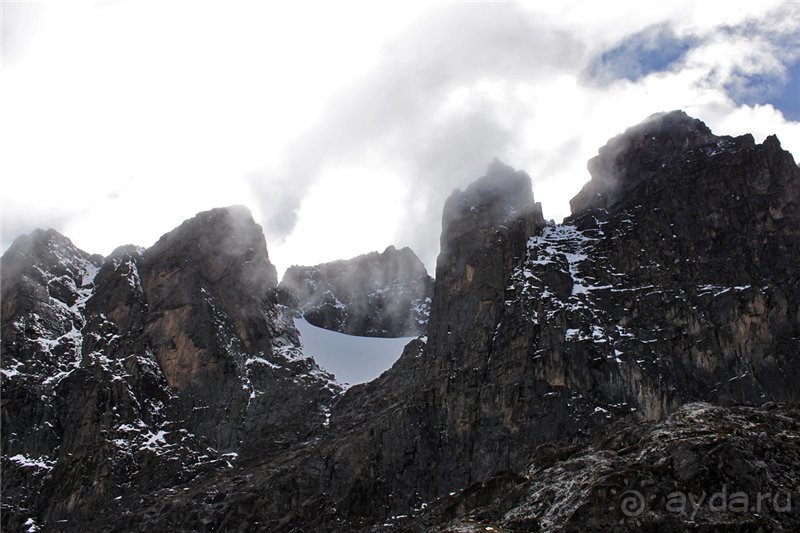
<point>672,131</point>
<point>218,242</point>
<point>216,225</point>
<point>126,250</point>
<point>501,194</point>
<point>41,265</point>
<point>41,236</point>
<point>43,245</point>
<point>666,150</point>
<point>384,294</point>
<point>501,180</point>
<point>500,199</point>
<point>557,358</point>
<point>149,366</point>
<point>661,135</point>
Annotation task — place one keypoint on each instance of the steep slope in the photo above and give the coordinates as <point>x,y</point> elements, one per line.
<point>410,435</point>
<point>376,295</point>
<point>673,281</point>
<point>46,282</point>
<point>543,333</point>
<point>704,468</point>
<point>561,365</point>
<point>161,364</point>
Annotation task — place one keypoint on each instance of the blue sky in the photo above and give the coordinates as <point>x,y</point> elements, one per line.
<point>654,49</point>
<point>781,92</point>
<point>657,49</point>
<point>343,126</point>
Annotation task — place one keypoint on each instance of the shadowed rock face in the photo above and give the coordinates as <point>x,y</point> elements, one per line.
<point>484,233</point>
<point>560,367</point>
<point>632,158</point>
<point>145,369</point>
<point>46,281</point>
<point>206,284</point>
<point>550,333</point>
<point>374,295</point>
<point>703,467</point>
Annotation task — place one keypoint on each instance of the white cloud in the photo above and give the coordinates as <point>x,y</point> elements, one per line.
<point>343,126</point>
<point>165,106</point>
<point>344,214</point>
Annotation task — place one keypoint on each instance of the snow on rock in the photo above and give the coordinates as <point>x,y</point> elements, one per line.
<point>155,440</point>
<point>40,463</point>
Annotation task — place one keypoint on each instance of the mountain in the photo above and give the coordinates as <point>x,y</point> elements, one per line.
<point>145,369</point>
<point>580,376</point>
<point>374,295</point>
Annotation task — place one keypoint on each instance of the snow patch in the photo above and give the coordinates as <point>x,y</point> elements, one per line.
<point>351,359</point>
<point>155,441</point>
<point>40,463</point>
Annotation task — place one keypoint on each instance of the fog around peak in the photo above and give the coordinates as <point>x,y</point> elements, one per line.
<point>347,130</point>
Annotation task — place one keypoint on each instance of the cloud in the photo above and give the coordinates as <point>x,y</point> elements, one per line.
<point>20,218</point>
<point>344,127</point>
<point>397,106</point>
<point>182,98</point>
<point>433,112</point>
<point>763,64</point>
<point>461,87</point>
<point>19,21</point>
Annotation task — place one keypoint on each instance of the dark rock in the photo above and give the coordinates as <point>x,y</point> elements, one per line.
<point>565,366</point>
<point>608,487</point>
<point>143,373</point>
<point>374,295</point>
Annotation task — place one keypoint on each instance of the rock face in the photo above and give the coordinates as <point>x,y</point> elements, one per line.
<point>648,343</point>
<point>663,476</point>
<point>146,369</point>
<point>374,295</point>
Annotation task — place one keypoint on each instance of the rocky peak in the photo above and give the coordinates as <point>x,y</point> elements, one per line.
<point>666,135</point>
<point>214,263</point>
<point>49,251</point>
<point>384,294</point>
<point>42,265</point>
<point>661,141</point>
<point>46,281</point>
<point>503,194</point>
<point>124,251</point>
<point>217,242</point>
<point>401,262</point>
<point>541,334</point>
<point>554,358</point>
<point>484,231</point>
<point>168,357</point>
<point>681,189</point>
<point>209,317</point>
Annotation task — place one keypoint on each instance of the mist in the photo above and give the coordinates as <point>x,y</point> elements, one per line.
<point>384,294</point>
<point>466,84</point>
<point>429,112</point>
<point>344,132</point>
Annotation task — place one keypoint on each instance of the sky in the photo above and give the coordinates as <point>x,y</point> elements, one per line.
<point>344,126</point>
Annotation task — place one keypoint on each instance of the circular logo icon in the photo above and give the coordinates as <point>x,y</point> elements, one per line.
<point>631,503</point>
